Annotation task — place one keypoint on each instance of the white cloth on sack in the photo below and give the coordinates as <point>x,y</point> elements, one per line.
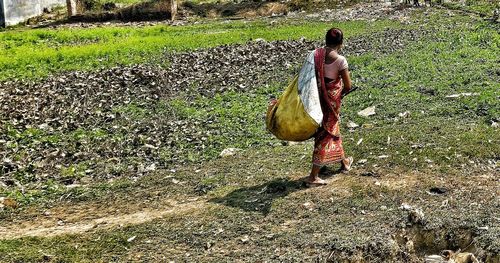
<point>308,89</point>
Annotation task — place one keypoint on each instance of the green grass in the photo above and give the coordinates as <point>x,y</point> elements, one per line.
<point>38,52</point>
<point>484,7</point>
<point>91,251</point>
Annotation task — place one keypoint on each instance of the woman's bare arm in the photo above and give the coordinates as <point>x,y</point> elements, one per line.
<point>346,79</point>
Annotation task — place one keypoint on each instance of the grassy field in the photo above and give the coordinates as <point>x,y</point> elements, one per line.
<point>36,53</point>
<point>484,7</point>
<point>435,82</point>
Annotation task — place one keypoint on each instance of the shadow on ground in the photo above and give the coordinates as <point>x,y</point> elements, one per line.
<point>259,198</point>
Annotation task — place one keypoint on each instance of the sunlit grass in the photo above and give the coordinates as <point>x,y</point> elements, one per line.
<point>36,53</point>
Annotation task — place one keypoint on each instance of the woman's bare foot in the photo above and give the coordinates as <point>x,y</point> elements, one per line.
<point>346,164</point>
<point>315,182</point>
<point>313,178</point>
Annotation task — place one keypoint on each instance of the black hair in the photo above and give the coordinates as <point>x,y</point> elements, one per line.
<point>334,37</point>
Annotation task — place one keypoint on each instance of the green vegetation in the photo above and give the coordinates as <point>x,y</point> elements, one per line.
<point>484,7</point>
<point>36,53</point>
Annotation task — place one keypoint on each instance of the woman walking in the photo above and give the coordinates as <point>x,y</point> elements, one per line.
<point>333,79</point>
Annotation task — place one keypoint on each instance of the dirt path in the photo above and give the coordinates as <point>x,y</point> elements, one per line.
<point>85,218</point>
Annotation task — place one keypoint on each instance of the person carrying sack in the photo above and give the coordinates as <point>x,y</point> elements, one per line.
<point>333,81</point>
<point>310,106</point>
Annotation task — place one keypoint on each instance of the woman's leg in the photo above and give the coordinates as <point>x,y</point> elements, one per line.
<point>314,176</point>
<point>346,164</point>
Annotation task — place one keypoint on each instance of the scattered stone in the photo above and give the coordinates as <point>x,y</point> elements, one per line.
<point>73,186</point>
<point>404,114</point>
<point>245,239</point>
<point>467,94</point>
<point>362,161</point>
<point>352,125</point>
<point>308,205</point>
<point>229,152</point>
<point>367,112</point>
<point>415,215</point>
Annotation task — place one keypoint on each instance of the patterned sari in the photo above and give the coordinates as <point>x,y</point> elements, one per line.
<point>327,142</point>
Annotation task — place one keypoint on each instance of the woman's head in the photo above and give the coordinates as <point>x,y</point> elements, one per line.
<point>334,37</point>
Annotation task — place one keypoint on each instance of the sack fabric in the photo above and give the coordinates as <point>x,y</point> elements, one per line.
<point>287,118</point>
<point>297,114</point>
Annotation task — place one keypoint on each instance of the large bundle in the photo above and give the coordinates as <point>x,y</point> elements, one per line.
<point>297,114</point>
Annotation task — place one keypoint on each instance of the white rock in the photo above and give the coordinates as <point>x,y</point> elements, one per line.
<point>405,206</point>
<point>229,152</point>
<point>466,94</point>
<point>404,114</point>
<point>352,125</point>
<point>367,112</point>
<point>245,239</point>
<point>150,168</point>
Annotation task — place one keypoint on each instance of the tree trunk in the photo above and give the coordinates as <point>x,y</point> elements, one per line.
<point>173,8</point>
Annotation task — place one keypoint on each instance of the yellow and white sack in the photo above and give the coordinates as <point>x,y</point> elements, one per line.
<point>297,114</point>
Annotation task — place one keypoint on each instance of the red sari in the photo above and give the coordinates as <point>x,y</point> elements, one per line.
<point>327,142</point>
